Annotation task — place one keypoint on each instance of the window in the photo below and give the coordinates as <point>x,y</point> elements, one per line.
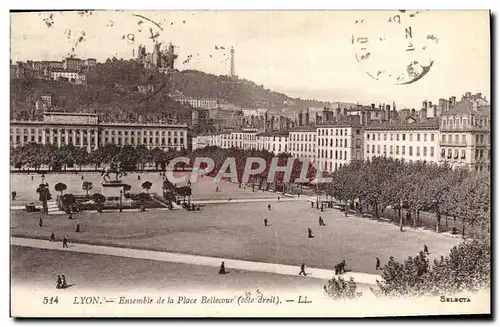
<point>410,150</point>
<point>378,149</point>
<point>411,138</point>
<point>385,149</point>
<point>456,138</point>
<point>432,137</point>
<point>340,154</point>
<point>418,137</point>
<point>477,139</point>
<point>456,154</point>
<point>432,151</point>
<point>373,148</point>
<point>450,139</point>
<point>425,151</point>
<point>378,136</point>
<point>373,137</point>
<point>418,151</point>
<point>358,143</point>
<point>336,154</point>
<point>345,154</point>
<point>367,148</point>
<point>390,149</point>
<point>391,136</point>
<point>403,136</point>
<point>397,149</point>
<point>463,154</point>
<point>449,154</point>
<point>482,139</point>
<point>358,132</point>
<point>340,132</point>
<point>336,142</point>
<point>397,137</point>
<point>385,137</point>
<point>403,149</point>
<point>345,143</point>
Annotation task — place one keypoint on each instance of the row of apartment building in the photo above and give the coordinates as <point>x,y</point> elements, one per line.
<point>85,130</point>
<point>460,137</point>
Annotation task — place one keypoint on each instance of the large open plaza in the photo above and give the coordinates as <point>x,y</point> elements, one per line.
<point>236,230</point>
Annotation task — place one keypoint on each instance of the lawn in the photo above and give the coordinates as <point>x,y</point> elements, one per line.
<point>237,231</point>
<point>204,188</point>
<point>40,267</point>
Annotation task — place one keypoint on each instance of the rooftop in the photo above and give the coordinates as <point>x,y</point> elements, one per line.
<point>430,123</point>
<point>466,107</point>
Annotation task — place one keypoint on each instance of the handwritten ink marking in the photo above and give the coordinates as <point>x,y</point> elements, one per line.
<point>408,32</point>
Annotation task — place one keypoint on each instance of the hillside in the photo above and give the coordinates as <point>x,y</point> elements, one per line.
<point>242,93</point>
<point>112,91</point>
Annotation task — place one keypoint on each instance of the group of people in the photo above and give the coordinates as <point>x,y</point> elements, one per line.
<point>61,281</point>
<point>64,240</point>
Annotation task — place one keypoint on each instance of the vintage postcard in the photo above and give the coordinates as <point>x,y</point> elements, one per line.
<point>250,163</point>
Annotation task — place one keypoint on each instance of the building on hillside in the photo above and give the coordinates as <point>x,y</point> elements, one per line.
<point>338,144</point>
<point>465,135</point>
<point>302,143</point>
<point>409,142</point>
<point>275,142</point>
<point>85,130</point>
<point>71,75</point>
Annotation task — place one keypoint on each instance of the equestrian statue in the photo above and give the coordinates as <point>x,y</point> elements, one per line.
<point>114,167</point>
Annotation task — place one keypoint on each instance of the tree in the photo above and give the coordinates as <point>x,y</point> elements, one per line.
<point>99,200</point>
<point>143,198</point>
<point>147,186</point>
<point>466,268</point>
<point>68,202</point>
<point>87,186</point>
<point>44,196</point>
<point>338,289</point>
<point>60,187</point>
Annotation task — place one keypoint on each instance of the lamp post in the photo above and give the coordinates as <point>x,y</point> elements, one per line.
<point>121,195</point>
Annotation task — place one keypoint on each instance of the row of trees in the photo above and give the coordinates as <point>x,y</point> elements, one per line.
<point>219,156</point>
<point>35,156</point>
<point>414,187</point>
<point>467,268</point>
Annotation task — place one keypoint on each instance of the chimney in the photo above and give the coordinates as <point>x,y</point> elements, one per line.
<point>344,112</point>
<point>435,109</point>
<point>453,101</point>
<point>300,118</point>
<point>373,105</point>
<point>307,117</point>
<point>337,114</point>
<point>423,115</point>
<point>478,95</point>
<point>388,108</point>
<point>413,112</point>
<point>424,105</point>
<point>430,105</point>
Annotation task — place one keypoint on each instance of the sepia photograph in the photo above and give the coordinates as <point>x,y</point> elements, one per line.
<point>250,163</point>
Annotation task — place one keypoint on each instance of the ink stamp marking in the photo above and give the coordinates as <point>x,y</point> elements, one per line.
<point>394,47</point>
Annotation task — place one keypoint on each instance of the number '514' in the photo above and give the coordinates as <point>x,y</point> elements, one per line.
<point>50,300</point>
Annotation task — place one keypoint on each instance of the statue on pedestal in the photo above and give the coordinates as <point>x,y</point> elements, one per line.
<point>114,167</point>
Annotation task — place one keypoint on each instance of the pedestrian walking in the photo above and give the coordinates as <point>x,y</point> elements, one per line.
<point>32,178</point>
<point>269,207</point>
<point>278,199</point>
<point>138,177</point>
<point>70,216</point>
<point>78,228</point>
<point>40,222</point>
<point>303,269</point>
<point>216,189</point>
<point>309,233</point>
<point>63,282</point>
<point>59,281</point>
<point>222,270</point>
<point>321,221</point>
<point>52,237</point>
<point>14,194</point>
<point>83,177</point>
<point>65,242</point>
<point>426,249</point>
<point>265,221</point>
<point>377,265</point>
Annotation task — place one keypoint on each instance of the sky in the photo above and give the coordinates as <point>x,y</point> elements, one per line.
<point>307,54</point>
